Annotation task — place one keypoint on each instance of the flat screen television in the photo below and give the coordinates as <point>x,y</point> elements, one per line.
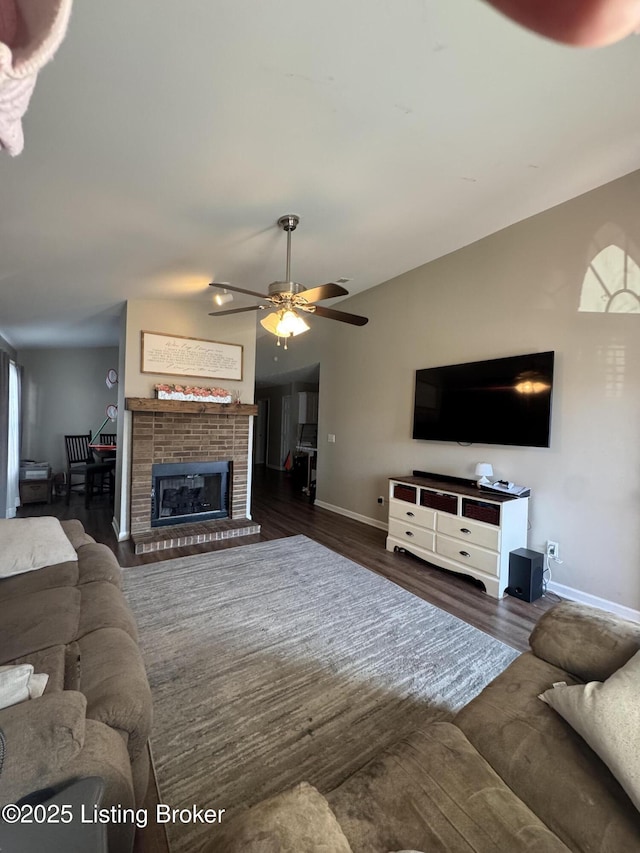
<point>499,401</point>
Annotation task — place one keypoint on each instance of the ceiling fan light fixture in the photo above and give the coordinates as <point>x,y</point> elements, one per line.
<point>284,324</point>
<point>291,323</point>
<point>288,297</point>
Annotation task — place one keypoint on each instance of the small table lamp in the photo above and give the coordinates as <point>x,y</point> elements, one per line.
<point>484,470</point>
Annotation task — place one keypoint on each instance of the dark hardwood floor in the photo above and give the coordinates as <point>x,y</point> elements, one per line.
<point>282,510</point>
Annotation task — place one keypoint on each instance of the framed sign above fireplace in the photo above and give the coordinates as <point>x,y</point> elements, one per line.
<point>175,355</point>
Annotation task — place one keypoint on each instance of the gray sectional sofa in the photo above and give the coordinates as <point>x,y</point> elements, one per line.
<point>71,621</point>
<point>507,775</point>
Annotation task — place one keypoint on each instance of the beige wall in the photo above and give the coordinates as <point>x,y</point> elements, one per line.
<point>172,318</point>
<point>514,292</point>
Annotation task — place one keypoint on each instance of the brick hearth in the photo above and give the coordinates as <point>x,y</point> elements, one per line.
<point>172,431</point>
<point>163,538</point>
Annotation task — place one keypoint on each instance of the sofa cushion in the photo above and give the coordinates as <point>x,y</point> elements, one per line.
<point>548,765</point>
<point>585,641</point>
<point>113,678</point>
<point>40,737</point>
<point>104,754</point>
<point>39,620</point>
<point>76,533</point>
<point>297,820</point>
<point>28,544</point>
<point>104,606</point>
<point>607,716</point>
<point>97,562</point>
<point>53,661</point>
<point>62,574</point>
<point>432,791</point>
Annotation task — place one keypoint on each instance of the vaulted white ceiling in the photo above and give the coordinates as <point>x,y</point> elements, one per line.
<point>166,138</point>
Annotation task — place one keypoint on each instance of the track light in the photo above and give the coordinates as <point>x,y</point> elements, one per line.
<point>223,298</point>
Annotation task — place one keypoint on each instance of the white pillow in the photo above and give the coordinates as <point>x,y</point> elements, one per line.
<point>32,543</point>
<point>18,683</point>
<point>607,715</point>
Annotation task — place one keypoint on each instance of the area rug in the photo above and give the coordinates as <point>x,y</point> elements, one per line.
<point>284,661</point>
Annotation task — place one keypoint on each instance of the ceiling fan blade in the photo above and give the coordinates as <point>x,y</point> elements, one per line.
<point>323,291</point>
<point>226,286</point>
<point>342,316</point>
<point>236,310</point>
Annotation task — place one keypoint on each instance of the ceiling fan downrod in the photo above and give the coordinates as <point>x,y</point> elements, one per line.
<point>289,223</point>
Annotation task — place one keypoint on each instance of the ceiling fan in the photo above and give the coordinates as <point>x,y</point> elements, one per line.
<point>289,297</point>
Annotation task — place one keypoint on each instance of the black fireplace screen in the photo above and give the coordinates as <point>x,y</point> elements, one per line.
<point>193,491</point>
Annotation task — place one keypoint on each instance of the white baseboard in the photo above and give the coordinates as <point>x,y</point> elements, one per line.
<point>121,535</point>
<point>594,601</point>
<point>372,522</point>
<point>560,589</point>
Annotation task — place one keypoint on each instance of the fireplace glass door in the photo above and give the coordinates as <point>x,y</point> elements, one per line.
<point>187,492</point>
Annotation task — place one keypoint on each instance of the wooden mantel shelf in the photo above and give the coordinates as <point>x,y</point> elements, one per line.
<point>151,404</point>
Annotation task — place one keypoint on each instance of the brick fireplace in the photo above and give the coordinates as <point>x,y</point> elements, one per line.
<point>172,431</point>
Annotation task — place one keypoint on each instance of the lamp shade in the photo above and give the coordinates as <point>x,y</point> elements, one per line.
<point>484,470</point>
<point>291,324</point>
<point>270,322</point>
<point>284,324</point>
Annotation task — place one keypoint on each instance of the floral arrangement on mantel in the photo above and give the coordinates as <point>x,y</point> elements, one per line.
<point>193,393</point>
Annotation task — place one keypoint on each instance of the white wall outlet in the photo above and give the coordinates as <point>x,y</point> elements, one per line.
<point>552,550</point>
<point>331,438</point>
<point>381,500</point>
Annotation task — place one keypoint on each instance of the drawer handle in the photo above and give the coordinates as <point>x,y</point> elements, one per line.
<point>465,553</point>
<point>411,514</point>
<point>465,530</point>
<point>408,533</point>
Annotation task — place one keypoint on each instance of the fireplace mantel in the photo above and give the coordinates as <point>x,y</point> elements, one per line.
<point>151,404</point>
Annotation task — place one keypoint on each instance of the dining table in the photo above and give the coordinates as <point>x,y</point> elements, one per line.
<point>106,453</point>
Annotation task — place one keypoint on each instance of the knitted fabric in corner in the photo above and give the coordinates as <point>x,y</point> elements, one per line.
<point>30,33</point>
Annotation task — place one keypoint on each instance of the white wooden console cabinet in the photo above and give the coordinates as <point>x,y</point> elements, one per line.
<point>458,527</point>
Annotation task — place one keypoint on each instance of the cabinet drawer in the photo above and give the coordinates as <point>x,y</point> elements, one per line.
<point>470,531</point>
<point>413,535</point>
<point>412,514</point>
<point>466,554</point>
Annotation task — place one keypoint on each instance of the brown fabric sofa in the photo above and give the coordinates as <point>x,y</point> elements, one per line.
<point>507,775</point>
<point>71,620</point>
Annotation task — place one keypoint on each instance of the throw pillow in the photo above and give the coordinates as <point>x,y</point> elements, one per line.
<point>295,820</point>
<point>14,684</point>
<point>19,683</point>
<point>607,715</point>
<point>32,543</point>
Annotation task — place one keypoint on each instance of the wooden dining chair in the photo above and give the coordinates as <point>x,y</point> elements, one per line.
<point>81,463</point>
<point>110,458</point>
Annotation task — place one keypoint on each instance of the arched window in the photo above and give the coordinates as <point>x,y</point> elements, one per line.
<point>612,283</point>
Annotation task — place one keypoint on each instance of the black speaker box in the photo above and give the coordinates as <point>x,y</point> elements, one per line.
<point>526,569</point>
